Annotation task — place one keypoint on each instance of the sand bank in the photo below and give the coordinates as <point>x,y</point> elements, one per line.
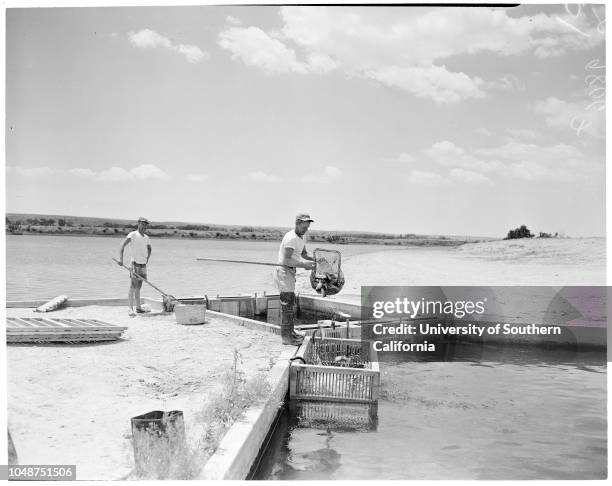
<point>538,261</point>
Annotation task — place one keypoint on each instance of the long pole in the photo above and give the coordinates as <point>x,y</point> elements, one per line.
<point>243,261</point>
<point>145,280</point>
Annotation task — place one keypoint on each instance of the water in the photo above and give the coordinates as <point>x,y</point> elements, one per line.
<point>41,267</point>
<point>495,414</point>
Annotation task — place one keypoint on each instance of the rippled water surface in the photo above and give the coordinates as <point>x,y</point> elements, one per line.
<point>491,413</point>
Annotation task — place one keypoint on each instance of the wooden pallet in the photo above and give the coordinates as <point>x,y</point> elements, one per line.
<point>42,330</point>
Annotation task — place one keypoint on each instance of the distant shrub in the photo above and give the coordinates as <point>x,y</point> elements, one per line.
<point>521,232</point>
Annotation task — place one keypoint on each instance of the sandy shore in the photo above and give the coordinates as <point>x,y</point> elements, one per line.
<point>538,261</point>
<point>72,404</point>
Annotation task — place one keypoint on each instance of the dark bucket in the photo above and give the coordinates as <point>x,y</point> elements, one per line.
<point>159,441</point>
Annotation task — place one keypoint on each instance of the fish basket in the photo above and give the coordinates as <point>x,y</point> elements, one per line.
<point>338,332</point>
<point>335,416</point>
<point>334,370</point>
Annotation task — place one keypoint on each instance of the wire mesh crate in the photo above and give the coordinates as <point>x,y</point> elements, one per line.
<point>334,415</point>
<point>334,370</point>
<point>340,331</point>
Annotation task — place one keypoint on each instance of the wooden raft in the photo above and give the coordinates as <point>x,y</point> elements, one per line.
<point>46,330</point>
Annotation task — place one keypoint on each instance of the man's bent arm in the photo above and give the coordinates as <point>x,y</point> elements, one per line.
<point>148,252</point>
<point>291,260</point>
<point>306,256</point>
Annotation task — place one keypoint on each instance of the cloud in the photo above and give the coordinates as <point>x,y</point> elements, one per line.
<point>510,82</point>
<point>329,174</point>
<point>256,48</point>
<point>115,174</point>
<point>406,48</point>
<point>469,177</point>
<point>448,154</point>
<point>483,131</point>
<point>260,176</point>
<point>524,133</point>
<point>585,117</point>
<point>403,158</point>
<point>193,54</point>
<point>430,179</point>
<point>149,39</point>
<point>434,82</point>
<point>232,20</point>
<point>514,159</point>
<point>29,172</point>
<point>197,177</point>
<point>80,172</point>
<point>149,171</point>
<point>142,172</point>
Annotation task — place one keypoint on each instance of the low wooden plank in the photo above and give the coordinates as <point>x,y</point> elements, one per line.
<point>14,322</point>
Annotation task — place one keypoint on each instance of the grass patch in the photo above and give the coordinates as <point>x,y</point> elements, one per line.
<point>173,458</point>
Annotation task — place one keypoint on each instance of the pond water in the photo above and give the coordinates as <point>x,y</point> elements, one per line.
<point>492,413</point>
<point>41,267</point>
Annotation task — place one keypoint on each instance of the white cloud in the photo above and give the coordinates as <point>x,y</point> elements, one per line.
<point>524,133</point>
<point>469,177</point>
<point>448,154</point>
<point>434,82</point>
<point>29,172</point>
<point>79,172</point>
<point>515,159</point>
<point>232,20</point>
<point>430,179</point>
<point>148,39</point>
<point>142,172</point>
<point>509,82</point>
<point>483,131</point>
<point>115,174</point>
<point>403,158</point>
<point>193,54</point>
<point>585,117</point>
<point>256,48</point>
<point>197,177</point>
<point>149,171</point>
<point>260,176</point>
<point>405,47</point>
<point>329,174</point>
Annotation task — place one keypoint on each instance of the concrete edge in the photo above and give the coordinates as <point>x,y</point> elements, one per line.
<point>241,444</point>
<point>69,302</point>
<point>246,322</point>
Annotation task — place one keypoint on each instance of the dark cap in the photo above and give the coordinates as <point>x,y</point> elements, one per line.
<point>303,217</point>
<point>143,220</point>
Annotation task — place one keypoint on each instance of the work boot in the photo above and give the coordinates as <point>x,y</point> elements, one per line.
<point>287,338</point>
<point>296,335</point>
<point>288,335</point>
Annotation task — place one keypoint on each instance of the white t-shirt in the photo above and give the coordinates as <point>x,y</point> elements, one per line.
<point>291,240</point>
<point>138,245</point>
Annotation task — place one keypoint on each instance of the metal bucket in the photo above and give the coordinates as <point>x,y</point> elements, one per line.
<point>159,439</point>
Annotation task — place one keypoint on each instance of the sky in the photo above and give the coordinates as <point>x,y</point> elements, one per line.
<point>430,120</point>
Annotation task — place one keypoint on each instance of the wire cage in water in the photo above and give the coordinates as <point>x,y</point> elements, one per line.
<point>334,415</point>
<point>334,370</point>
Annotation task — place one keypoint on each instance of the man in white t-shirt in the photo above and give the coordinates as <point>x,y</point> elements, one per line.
<point>140,247</point>
<point>292,253</point>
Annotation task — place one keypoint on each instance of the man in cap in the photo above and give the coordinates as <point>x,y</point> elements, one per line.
<point>292,254</point>
<point>140,247</point>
